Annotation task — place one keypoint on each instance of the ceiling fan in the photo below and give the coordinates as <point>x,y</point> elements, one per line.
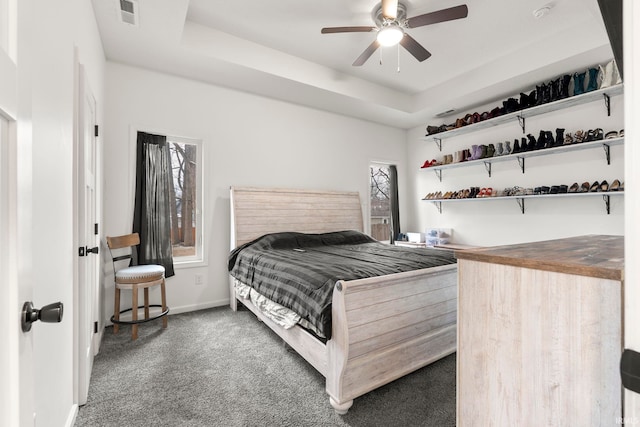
<point>391,22</point>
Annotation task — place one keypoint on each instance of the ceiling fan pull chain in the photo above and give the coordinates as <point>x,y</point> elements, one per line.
<point>380,56</point>
<point>398,58</point>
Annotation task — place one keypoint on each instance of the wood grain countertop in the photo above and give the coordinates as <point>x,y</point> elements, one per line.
<point>597,256</point>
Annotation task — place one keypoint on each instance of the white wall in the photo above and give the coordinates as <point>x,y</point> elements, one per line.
<point>501,222</point>
<point>248,141</point>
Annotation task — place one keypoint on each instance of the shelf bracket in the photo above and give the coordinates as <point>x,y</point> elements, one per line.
<point>607,203</point>
<point>607,151</point>
<point>438,142</point>
<point>521,163</point>
<point>438,174</point>
<point>520,201</point>
<point>607,103</point>
<point>438,206</point>
<point>521,122</point>
<point>487,166</point>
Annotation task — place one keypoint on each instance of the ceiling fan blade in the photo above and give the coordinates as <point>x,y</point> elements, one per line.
<point>414,48</point>
<point>456,12</point>
<point>390,9</point>
<point>331,30</point>
<point>366,54</point>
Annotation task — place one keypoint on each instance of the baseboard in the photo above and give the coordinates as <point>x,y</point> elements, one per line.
<point>188,308</point>
<point>73,413</point>
<point>199,306</point>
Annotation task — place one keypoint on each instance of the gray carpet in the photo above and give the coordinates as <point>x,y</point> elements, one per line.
<point>216,367</point>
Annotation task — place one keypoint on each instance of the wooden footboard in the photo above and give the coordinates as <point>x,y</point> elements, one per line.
<point>383,328</point>
<point>386,327</point>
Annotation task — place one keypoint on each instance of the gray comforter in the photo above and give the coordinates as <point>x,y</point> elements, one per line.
<point>300,270</point>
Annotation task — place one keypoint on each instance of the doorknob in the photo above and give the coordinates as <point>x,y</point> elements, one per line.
<point>51,313</point>
<point>92,250</point>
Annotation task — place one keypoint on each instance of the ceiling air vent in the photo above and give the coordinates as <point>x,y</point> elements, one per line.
<point>129,12</point>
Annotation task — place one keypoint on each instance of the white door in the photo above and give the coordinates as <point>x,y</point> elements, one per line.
<point>87,284</point>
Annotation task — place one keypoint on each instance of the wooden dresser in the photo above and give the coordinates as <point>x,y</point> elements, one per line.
<point>540,333</point>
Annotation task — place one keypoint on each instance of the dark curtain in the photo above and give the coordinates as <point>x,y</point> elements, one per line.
<point>393,198</point>
<point>152,215</point>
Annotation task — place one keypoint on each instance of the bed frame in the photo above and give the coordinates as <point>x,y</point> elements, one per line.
<point>382,327</point>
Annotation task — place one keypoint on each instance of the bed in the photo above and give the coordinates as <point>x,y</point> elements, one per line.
<point>382,327</point>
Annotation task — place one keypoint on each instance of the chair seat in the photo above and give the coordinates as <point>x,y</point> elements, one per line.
<point>140,272</point>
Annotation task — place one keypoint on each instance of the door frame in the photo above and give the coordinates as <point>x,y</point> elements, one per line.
<point>86,300</point>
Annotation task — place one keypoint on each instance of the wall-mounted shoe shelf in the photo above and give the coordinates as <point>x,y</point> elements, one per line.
<point>521,116</point>
<point>520,157</point>
<point>521,198</point>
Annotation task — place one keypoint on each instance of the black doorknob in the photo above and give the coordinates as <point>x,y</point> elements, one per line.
<point>93,250</point>
<point>51,313</point>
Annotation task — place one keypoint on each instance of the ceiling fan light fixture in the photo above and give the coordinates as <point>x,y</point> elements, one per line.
<point>390,35</point>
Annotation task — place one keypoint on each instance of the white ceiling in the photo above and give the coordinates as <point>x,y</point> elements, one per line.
<point>274,48</point>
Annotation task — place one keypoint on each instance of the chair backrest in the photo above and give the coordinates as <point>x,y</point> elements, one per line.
<point>119,242</point>
<point>127,240</point>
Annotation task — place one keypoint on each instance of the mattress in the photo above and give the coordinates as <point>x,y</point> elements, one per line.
<point>298,271</point>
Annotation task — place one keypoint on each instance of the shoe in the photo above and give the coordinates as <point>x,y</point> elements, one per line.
<point>491,150</point>
<point>563,189</point>
<point>427,164</point>
<point>564,86</point>
<point>554,189</point>
<point>544,189</point>
<point>474,149</point>
<point>592,82</point>
<point>578,83</point>
<point>579,136</point>
<point>584,188</point>
<point>610,135</point>
<point>507,148</point>
<point>548,138</point>
<point>516,147</point>
<point>555,89</point>
<point>621,133</point>
<point>574,188</point>
<point>483,151</point>
<point>591,136</point>
<point>568,139</point>
<point>615,185</point>
<point>542,141</point>
<point>608,75</point>
<point>598,134</point>
<point>604,186</point>
<point>594,187</point>
<point>499,149</point>
<point>559,137</point>
<point>531,145</point>
<point>540,93</point>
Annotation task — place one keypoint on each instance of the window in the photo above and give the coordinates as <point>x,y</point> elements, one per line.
<point>186,205</point>
<point>380,202</point>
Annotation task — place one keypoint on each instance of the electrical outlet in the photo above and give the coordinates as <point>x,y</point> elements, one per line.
<point>198,279</point>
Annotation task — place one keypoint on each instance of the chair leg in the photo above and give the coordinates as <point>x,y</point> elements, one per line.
<point>146,303</point>
<point>134,313</point>
<point>164,303</point>
<point>116,311</point>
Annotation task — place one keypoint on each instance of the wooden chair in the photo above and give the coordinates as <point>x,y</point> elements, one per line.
<point>134,278</point>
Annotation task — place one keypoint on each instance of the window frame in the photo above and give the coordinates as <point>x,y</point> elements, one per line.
<point>200,259</point>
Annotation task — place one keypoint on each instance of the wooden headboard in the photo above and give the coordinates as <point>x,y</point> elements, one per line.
<point>258,211</point>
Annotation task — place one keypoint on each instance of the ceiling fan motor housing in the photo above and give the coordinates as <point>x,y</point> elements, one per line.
<point>380,20</point>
